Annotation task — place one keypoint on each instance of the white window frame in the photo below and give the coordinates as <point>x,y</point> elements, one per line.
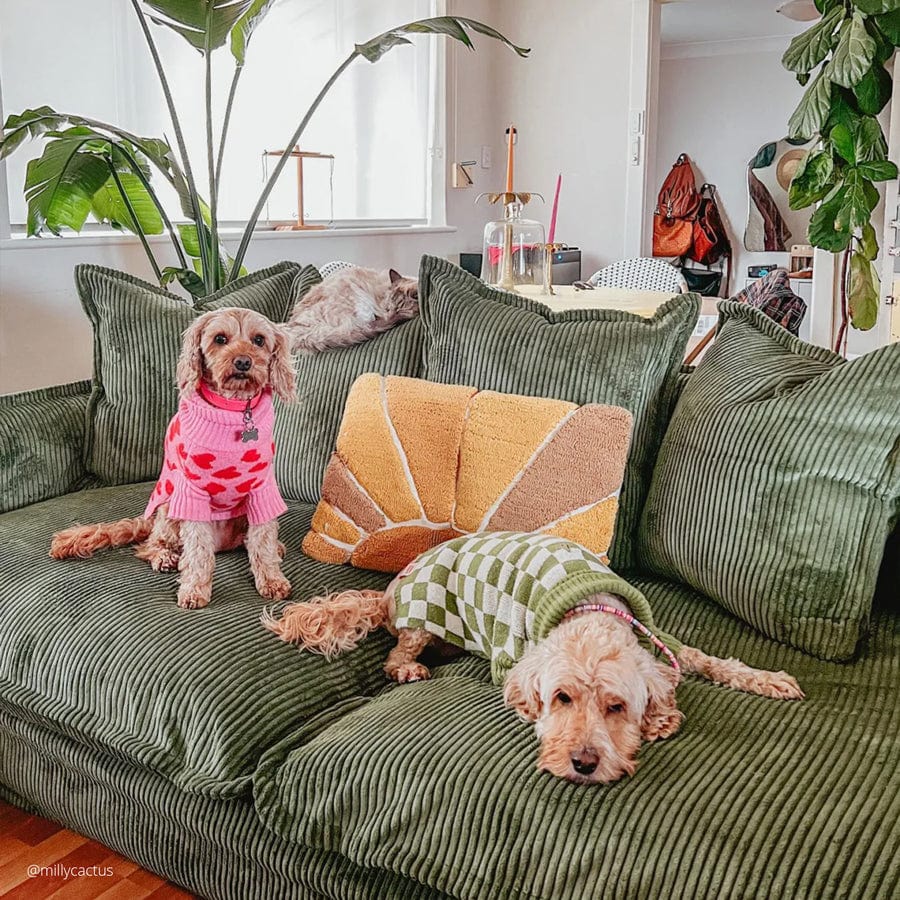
<point>435,192</point>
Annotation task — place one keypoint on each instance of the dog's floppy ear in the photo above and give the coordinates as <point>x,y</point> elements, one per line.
<point>662,718</point>
<point>522,689</point>
<point>282,376</point>
<point>189,371</point>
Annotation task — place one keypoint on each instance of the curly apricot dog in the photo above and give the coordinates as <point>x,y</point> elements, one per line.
<point>217,487</point>
<point>559,629</point>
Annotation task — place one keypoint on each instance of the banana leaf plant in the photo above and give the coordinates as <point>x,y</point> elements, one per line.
<point>90,168</point>
<point>842,59</point>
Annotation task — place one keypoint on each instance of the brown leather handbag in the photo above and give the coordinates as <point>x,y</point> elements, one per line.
<point>710,239</point>
<point>676,206</point>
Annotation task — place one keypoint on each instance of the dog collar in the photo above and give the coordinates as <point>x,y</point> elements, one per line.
<point>631,620</point>
<point>220,402</point>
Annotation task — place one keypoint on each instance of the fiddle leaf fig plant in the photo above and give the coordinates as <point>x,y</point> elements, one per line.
<point>88,168</point>
<point>841,59</point>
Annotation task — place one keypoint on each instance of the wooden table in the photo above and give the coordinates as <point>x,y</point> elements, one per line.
<point>565,297</point>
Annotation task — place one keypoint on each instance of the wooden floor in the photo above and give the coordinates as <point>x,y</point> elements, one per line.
<point>28,841</point>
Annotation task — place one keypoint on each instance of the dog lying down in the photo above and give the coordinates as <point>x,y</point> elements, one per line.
<point>560,631</point>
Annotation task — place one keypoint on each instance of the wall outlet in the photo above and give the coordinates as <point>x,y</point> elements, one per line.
<point>487,157</point>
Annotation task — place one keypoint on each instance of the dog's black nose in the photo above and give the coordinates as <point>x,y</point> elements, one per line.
<point>243,363</point>
<point>585,762</point>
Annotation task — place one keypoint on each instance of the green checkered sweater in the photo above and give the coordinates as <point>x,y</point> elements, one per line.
<point>495,594</point>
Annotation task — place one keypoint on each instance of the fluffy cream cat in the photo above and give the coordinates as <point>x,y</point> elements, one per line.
<point>351,306</point>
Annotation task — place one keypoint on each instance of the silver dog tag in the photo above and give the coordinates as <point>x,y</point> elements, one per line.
<point>249,434</point>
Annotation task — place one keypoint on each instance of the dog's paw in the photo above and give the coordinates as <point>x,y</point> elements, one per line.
<point>192,599</point>
<point>275,587</point>
<point>408,672</point>
<point>779,686</point>
<point>163,560</point>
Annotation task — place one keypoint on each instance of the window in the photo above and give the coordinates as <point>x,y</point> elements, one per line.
<point>90,58</point>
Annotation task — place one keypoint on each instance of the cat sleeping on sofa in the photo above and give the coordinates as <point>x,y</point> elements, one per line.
<point>351,306</point>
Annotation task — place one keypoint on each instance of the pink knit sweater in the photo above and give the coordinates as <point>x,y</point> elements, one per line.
<point>208,472</point>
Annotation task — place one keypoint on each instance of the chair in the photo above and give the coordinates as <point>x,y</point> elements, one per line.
<point>642,273</point>
<point>335,266</point>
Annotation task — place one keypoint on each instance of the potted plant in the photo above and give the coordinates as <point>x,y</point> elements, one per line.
<point>94,168</point>
<point>841,59</point>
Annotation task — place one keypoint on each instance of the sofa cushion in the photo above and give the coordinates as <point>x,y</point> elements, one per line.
<point>137,339</point>
<point>41,434</point>
<point>97,649</point>
<point>753,798</point>
<point>417,463</point>
<point>305,431</point>
<point>778,482</point>
<point>479,336</point>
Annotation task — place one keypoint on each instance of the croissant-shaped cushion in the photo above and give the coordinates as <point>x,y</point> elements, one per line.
<point>419,463</point>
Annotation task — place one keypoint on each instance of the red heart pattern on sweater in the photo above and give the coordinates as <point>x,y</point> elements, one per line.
<point>192,475</point>
<point>258,467</point>
<point>250,456</point>
<point>228,472</point>
<point>245,486</point>
<point>204,460</point>
<point>214,488</point>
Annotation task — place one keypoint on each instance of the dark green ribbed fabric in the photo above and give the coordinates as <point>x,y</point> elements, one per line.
<point>137,339</point>
<point>778,482</point>
<point>754,798</point>
<point>306,432</point>
<point>215,848</point>
<point>41,434</point>
<point>492,340</point>
<point>98,650</point>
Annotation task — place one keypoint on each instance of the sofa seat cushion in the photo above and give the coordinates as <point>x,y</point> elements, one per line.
<point>753,798</point>
<point>98,650</point>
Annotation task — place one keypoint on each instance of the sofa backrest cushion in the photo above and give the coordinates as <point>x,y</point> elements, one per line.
<point>137,338</point>
<point>418,463</point>
<point>492,340</point>
<point>778,482</point>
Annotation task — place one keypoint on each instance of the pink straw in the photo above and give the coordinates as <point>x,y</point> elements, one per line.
<point>552,235</point>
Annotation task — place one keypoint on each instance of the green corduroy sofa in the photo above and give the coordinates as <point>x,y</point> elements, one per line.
<point>200,746</point>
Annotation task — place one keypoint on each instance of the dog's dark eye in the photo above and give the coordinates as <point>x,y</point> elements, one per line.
<point>220,339</point>
<point>259,340</point>
<point>615,708</point>
<point>563,697</point>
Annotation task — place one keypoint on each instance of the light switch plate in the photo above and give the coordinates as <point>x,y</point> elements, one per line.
<point>487,157</point>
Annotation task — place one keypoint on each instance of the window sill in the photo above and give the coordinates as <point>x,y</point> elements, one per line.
<point>109,238</point>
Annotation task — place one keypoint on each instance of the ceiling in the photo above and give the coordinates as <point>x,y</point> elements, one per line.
<point>701,21</point>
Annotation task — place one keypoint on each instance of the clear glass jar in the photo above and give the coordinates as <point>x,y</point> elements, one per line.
<point>514,250</point>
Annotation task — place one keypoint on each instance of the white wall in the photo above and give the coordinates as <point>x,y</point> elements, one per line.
<point>720,110</point>
<point>569,101</point>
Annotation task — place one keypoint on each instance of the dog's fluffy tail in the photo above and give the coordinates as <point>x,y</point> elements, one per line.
<point>83,540</point>
<point>332,624</point>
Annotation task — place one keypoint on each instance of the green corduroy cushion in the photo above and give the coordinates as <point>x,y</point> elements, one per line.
<point>98,650</point>
<point>493,340</point>
<point>41,435</point>
<point>778,482</point>
<point>306,431</point>
<point>137,339</point>
<point>753,798</point>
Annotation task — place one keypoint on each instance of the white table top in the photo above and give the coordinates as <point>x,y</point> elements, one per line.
<point>566,297</point>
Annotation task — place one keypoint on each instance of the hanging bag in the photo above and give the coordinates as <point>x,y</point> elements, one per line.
<point>710,240</point>
<point>676,207</point>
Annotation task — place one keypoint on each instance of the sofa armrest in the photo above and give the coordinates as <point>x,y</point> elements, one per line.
<point>41,442</point>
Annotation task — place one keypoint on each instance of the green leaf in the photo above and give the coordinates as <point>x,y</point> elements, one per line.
<point>812,111</point>
<point>764,156</point>
<point>873,7</point>
<point>867,243</point>
<point>862,296</point>
<point>808,49</point>
<point>873,90</point>
<point>854,53</point>
<point>844,109</point>
<point>890,26</point>
<point>205,24</point>
<point>870,142</point>
<point>878,170</point>
<point>189,280</point>
<point>456,27</point>
<point>109,205</point>
<point>859,201</point>
<point>245,26</point>
<point>61,183</point>
<point>824,5</point>
<point>843,140</point>
<point>811,180</point>
<point>823,226</point>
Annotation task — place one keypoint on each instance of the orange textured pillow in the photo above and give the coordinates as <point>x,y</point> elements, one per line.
<point>419,463</point>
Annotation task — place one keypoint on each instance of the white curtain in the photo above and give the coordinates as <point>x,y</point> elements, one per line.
<point>375,121</point>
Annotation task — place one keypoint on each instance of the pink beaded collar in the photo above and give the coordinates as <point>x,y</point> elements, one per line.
<point>639,626</point>
<point>220,402</point>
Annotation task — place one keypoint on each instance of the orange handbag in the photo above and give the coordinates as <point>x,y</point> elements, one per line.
<point>676,207</point>
<point>672,237</point>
